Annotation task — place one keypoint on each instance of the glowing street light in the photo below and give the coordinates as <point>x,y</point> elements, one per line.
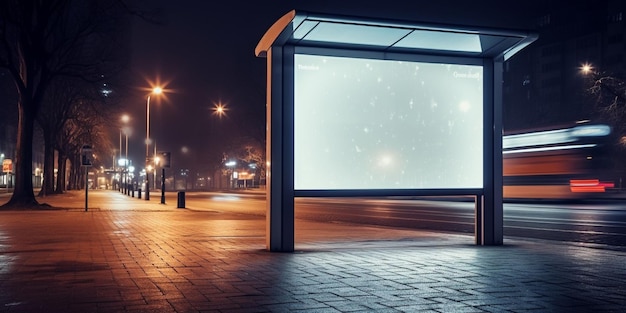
<point>586,68</point>
<point>219,109</point>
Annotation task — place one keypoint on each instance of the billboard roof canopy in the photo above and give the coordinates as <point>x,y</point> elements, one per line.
<point>321,30</point>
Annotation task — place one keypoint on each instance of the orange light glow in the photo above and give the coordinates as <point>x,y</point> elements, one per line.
<point>219,109</point>
<point>589,185</point>
<point>584,182</point>
<point>588,189</point>
<point>158,89</point>
<point>586,68</point>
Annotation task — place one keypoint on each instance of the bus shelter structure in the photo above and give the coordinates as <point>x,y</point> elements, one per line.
<point>368,107</point>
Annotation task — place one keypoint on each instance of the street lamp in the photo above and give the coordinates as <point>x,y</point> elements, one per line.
<point>155,91</point>
<point>119,179</point>
<point>124,129</point>
<point>127,192</point>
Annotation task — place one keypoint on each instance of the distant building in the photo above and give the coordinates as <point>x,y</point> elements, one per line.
<point>543,84</point>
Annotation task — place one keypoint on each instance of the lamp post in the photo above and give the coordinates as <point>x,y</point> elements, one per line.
<point>131,171</point>
<point>125,118</point>
<point>1,160</point>
<point>126,165</point>
<point>156,91</point>
<point>118,171</point>
<point>3,174</point>
<point>156,162</point>
<point>114,171</point>
<point>165,162</point>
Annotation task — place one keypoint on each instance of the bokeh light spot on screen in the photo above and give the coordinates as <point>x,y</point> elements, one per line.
<point>464,106</point>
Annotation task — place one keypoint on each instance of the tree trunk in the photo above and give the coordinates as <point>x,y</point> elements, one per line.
<point>23,195</point>
<point>74,175</point>
<point>71,179</point>
<point>47,188</point>
<point>62,166</point>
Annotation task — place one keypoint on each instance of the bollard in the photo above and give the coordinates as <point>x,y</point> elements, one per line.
<point>181,199</point>
<point>138,193</point>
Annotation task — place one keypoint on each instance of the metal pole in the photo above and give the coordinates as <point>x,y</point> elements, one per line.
<point>147,197</point>
<point>113,175</point>
<point>86,187</point>
<point>163,185</point>
<point>119,180</point>
<point>155,165</point>
<point>126,167</point>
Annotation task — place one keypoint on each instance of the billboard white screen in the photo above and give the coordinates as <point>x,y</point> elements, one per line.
<point>385,124</point>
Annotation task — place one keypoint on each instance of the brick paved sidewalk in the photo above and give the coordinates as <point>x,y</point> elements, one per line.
<point>160,259</point>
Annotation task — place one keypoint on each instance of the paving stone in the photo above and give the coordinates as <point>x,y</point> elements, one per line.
<point>131,256</point>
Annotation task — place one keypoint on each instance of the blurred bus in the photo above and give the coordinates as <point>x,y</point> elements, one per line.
<point>560,163</point>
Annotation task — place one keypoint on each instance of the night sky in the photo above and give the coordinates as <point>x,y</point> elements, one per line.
<point>205,54</point>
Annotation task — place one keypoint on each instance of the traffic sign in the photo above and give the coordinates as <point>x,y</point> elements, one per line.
<point>86,155</point>
<point>167,159</point>
<point>7,166</point>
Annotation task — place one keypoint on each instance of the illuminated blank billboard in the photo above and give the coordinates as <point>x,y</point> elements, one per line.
<point>386,124</point>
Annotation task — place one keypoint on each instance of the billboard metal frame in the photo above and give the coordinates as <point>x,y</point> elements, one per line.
<point>288,37</point>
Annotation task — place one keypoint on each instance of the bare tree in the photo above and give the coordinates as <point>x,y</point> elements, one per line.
<point>59,118</point>
<point>87,127</point>
<point>251,151</point>
<point>608,94</point>
<point>80,130</point>
<point>40,41</point>
<point>58,108</point>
